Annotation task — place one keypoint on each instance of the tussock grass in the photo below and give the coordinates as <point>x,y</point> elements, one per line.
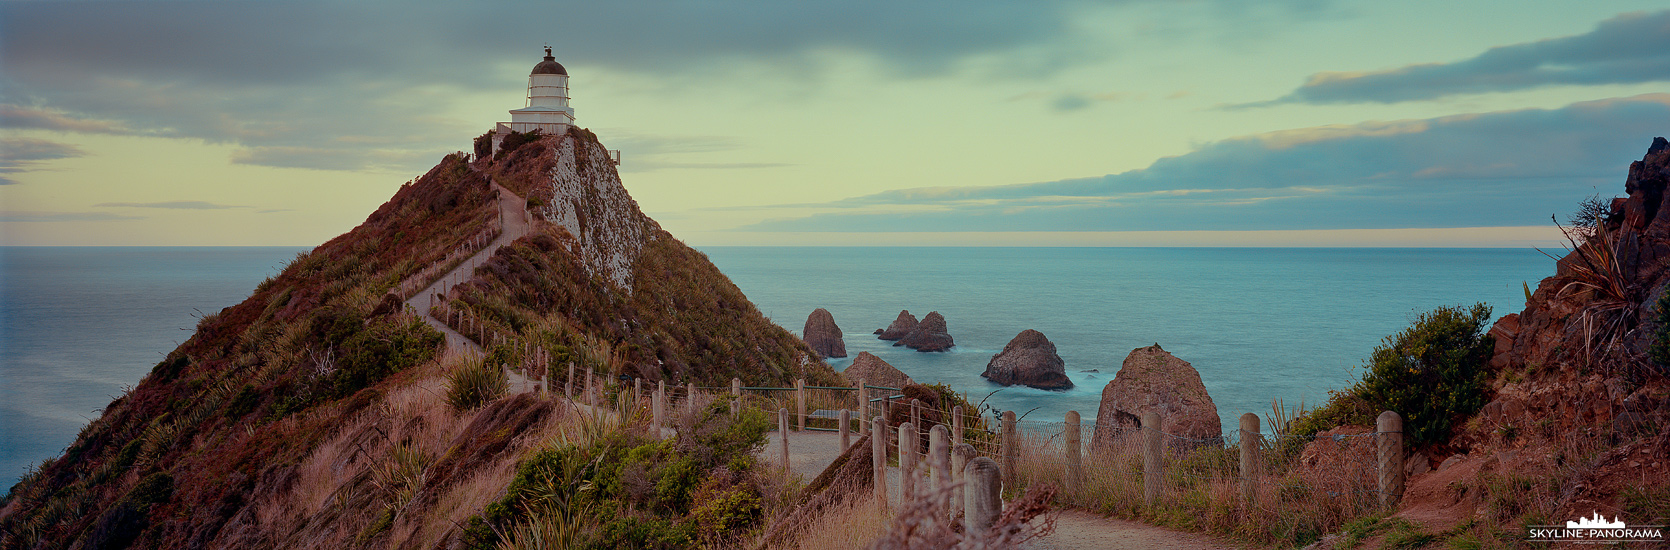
<point>475,383</point>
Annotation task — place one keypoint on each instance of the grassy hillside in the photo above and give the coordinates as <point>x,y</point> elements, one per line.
<point>310,414</point>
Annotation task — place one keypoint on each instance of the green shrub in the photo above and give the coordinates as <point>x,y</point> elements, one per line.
<point>384,347</point>
<point>243,403</point>
<point>643,533</point>
<point>1433,372</point>
<point>514,140</point>
<point>1342,409</point>
<point>1659,351</point>
<point>475,384</point>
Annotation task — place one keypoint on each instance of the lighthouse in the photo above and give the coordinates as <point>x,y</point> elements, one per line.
<point>547,107</point>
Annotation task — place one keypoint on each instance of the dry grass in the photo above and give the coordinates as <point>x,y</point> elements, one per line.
<point>854,524</point>
<point>383,453</point>
<point>1295,501</point>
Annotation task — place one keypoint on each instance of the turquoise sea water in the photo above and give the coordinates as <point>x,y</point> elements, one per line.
<point>78,325</point>
<point>1258,323</point>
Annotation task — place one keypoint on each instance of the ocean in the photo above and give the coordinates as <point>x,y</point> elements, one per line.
<point>78,325</point>
<point>1257,323</point>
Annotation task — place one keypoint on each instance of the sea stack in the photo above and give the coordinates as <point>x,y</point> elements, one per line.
<point>1151,379</point>
<point>822,335</point>
<point>901,327</point>
<point>929,335</point>
<point>1029,359</point>
<point>875,372</point>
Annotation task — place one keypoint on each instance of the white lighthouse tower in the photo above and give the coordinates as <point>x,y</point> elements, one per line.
<point>547,108</point>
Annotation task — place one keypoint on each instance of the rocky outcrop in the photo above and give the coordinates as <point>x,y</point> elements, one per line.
<point>586,198</point>
<point>875,372</point>
<point>822,334</point>
<point>901,327</point>
<point>930,335</point>
<point>1151,379</point>
<point>1030,360</point>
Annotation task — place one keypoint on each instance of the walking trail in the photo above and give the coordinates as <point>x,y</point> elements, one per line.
<point>513,224</point>
<point>810,452</point>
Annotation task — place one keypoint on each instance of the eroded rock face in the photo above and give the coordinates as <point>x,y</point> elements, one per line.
<point>589,202</point>
<point>900,327</point>
<point>930,335</point>
<point>822,334</point>
<point>1546,343</point>
<point>1030,360</point>
<point>1151,379</point>
<point>875,372</point>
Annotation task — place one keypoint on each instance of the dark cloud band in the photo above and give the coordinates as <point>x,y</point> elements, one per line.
<point>1628,49</point>
<point>1511,168</point>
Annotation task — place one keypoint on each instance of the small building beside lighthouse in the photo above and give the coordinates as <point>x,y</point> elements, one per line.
<point>547,107</point>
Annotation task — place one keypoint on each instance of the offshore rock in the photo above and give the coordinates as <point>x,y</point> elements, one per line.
<point>875,372</point>
<point>1152,379</point>
<point>1029,359</point>
<point>822,334</point>
<point>900,328</point>
<point>930,335</point>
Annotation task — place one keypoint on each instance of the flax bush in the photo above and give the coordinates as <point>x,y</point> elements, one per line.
<point>475,384</point>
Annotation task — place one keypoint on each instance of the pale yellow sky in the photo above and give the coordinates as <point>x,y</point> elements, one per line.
<point>755,136</point>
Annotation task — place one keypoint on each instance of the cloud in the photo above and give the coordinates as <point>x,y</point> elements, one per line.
<point>1628,49</point>
<point>172,205</point>
<point>24,154</point>
<point>26,118</point>
<point>648,153</point>
<point>1509,168</point>
<point>37,216</point>
<point>277,77</point>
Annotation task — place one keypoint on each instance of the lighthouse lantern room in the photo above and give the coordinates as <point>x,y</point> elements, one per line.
<point>547,107</point>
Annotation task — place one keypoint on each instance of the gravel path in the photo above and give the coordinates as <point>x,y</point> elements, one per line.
<point>513,224</point>
<point>810,452</point>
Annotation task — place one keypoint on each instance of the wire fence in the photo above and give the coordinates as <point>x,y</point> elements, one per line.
<point>1269,486</point>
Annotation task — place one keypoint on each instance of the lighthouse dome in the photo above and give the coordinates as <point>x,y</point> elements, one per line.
<point>549,66</point>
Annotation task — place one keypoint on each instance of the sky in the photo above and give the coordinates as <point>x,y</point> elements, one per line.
<point>861,122</point>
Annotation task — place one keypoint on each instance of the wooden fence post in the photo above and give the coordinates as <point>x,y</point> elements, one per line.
<point>878,458</point>
<point>783,433</point>
<point>982,496</point>
<point>658,408</point>
<point>591,393</point>
<point>570,387</point>
<point>916,420</point>
<point>863,409</point>
<point>1251,442</point>
<point>846,433</point>
<point>939,459</point>
<point>957,428</point>
<point>961,455</point>
<point>800,402</point>
<point>1151,458</point>
<point>907,462</point>
<point>736,396</point>
<point>1075,458</point>
<point>690,398</point>
<point>1011,448</point>
<point>1389,430</point>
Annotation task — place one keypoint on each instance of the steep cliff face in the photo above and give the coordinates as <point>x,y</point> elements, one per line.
<point>587,200</point>
<point>309,417</point>
<point>1579,408</point>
